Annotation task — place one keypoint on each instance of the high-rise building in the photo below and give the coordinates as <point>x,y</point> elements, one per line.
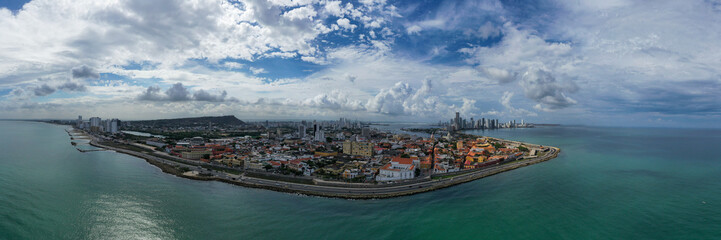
<point>95,124</point>
<point>366,132</point>
<point>79,122</point>
<point>113,126</point>
<point>301,131</point>
<point>457,120</point>
<point>315,128</point>
<point>318,134</point>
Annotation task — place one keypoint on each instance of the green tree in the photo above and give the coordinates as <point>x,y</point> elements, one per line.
<point>418,172</point>
<point>268,167</point>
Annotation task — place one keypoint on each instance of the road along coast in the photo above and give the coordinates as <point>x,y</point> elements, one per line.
<point>182,168</point>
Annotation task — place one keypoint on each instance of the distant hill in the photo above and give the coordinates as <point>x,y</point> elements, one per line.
<point>229,120</point>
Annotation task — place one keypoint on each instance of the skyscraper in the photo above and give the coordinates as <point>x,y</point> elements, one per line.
<point>301,131</point>
<point>457,120</point>
<point>95,124</point>
<point>319,135</point>
<point>113,126</point>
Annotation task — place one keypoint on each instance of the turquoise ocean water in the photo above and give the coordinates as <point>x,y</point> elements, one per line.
<point>608,183</point>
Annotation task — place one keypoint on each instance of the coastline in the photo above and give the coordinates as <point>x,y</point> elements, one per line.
<point>376,192</point>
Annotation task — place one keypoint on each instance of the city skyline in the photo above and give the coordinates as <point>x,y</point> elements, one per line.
<point>611,63</point>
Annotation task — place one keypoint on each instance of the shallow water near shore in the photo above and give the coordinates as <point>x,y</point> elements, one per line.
<point>619,183</point>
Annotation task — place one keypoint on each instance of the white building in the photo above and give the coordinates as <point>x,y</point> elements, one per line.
<point>319,135</point>
<point>398,169</point>
<point>95,122</point>
<point>113,126</point>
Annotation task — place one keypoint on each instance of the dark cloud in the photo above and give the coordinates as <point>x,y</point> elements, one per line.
<point>202,95</point>
<point>540,86</point>
<point>85,72</point>
<point>43,90</point>
<point>177,93</point>
<point>151,94</point>
<point>72,87</point>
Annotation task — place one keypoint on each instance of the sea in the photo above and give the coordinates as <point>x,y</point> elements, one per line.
<point>607,183</point>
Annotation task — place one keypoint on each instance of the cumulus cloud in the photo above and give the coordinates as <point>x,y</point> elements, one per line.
<point>487,30</point>
<point>84,72</point>
<point>413,29</point>
<point>540,86</point>
<point>513,111</point>
<point>257,71</point>
<point>49,86</point>
<point>335,100</point>
<point>334,8</point>
<point>72,87</point>
<point>634,56</point>
<point>345,24</point>
<point>202,95</point>
<point>401,98</point>
<point>43,90</point>
<point>179,93</point>
<point>166,33</point>
<point>500,75</point>
<point>151,94</point>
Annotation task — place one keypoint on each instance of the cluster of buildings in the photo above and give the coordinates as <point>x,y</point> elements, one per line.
<point>341,150</point>
<point>459,123</point>
<point>97,125</point>
<point>357,154</point>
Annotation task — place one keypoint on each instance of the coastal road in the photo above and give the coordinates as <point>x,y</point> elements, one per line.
<point>397,188</point>
<point>352,192</point>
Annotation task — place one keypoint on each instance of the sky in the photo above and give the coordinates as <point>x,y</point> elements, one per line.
<point>607,63</point>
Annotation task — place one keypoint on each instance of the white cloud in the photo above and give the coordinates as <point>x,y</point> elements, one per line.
<point>334,8</point>
<point>488,30</point>
<point>540,86</point>
<point>591,55</point>
<point>257,71</point>
<point>301,13</point>
<point>345,24</point>
<point>515,112</point>
<point>48,36</point>
<point>413,29</point>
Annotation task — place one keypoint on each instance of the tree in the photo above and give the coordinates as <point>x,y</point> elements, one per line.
<point>418,172</point>
<point>268,167</point>
<point>522,149</point>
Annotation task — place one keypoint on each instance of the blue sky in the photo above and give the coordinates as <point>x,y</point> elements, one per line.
<point>615,63</point>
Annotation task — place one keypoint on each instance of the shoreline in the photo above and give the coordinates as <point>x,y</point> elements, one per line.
<point>343,192</point>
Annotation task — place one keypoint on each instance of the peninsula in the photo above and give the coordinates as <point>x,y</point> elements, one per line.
<point>342,159</point>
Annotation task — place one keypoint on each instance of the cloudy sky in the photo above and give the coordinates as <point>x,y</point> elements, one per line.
<point>613,62</point>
